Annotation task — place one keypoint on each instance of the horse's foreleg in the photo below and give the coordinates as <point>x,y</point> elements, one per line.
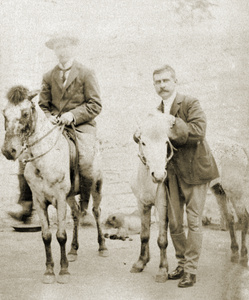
<point>97,196</point>
<point>72,255</point>
<point>244,256</point>
<point>243,217</point>
<point>162,240</point>
<point>222,198</point>
<point>41,208</point>
<point>62,239</point>
<point>145,213</point>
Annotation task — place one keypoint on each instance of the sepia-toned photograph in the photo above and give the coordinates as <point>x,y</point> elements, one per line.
<point>124,162</point>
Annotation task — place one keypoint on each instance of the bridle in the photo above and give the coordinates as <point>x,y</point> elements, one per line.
<point>26,146</point>
<point>143,158</point>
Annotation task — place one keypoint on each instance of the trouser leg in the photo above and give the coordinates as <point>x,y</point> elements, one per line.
<point>193,251</point>
<point>87,151</point>
<point>175,215</point>
<point>179,242</point>
<point>195,196</point>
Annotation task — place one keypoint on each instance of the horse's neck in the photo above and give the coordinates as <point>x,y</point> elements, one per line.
<point>42,126</point>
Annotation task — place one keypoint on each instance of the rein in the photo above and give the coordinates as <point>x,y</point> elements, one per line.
<point>40,139</point>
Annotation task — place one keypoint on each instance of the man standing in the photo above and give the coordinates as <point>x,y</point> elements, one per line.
<point>189,173</point>
<point>73,87</point>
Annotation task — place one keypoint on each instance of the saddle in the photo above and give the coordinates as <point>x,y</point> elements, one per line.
<point>70,135</point>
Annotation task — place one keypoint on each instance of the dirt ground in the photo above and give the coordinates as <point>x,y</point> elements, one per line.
<point>93,277</point>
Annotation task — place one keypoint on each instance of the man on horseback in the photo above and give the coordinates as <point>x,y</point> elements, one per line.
<point>188,173</point>
<point>69,95</point>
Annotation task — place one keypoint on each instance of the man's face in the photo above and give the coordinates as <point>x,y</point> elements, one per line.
<point>164,84</point>
<point>64,51</point>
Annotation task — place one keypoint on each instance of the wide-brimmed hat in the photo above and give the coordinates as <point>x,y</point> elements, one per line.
<point>62,37</point>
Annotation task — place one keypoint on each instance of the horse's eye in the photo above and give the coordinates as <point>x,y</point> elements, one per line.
<point>143,143</point>
<point>24,115</point>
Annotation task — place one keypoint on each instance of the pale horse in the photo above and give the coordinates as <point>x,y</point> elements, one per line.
<point>30,135</point>
<point>155,150</point>
<point>231,191</point>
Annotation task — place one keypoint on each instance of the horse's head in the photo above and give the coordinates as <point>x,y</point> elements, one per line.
<point>154,145</point>
<point>19,115</point>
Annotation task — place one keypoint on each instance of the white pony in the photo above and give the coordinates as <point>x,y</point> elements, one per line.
<point>155,150</point>
<point>29,134</point>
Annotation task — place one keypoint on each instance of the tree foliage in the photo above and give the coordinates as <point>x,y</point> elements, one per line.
<point>194,11</point>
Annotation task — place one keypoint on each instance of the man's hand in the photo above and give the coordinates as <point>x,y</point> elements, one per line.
<point>172,120</point>
<point>53,119</point>
<point>67,118</point>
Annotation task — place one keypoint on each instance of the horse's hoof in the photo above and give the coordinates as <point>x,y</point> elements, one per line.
<point>103,253</point>
<point>161,277</point>
<point>137,267</point>
<point>136,270</point>
<point>235,258</point>
<point>63,277</point>
<point>87,220</point>
<point>48,278</point>
<point>244,261</point>
<point>72,257</point>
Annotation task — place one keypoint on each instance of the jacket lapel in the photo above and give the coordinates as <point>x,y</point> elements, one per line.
<point>176,104</point>
<point>72,75</point>
<point>57,77</point>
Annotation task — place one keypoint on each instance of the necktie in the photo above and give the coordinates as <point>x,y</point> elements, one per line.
<point>64,73</point>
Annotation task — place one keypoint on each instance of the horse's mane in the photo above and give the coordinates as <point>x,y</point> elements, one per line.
<point>17,94</point>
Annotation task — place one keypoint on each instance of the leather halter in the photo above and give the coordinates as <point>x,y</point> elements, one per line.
<point>40,139</point>
<point>26,146</point>
<point>143,158</point>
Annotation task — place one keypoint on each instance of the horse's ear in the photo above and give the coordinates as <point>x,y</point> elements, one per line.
<point>32,94</point>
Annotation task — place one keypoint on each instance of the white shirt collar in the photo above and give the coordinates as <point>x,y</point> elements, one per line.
<point>168,103</point>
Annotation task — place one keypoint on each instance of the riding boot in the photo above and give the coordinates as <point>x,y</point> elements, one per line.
<point>179,242</point>
<point>25,201</point>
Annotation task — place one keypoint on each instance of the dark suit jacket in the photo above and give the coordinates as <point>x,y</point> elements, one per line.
<point>81,88</point>
<point>193,160</point>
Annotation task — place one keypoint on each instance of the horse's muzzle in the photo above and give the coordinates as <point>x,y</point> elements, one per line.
<point>158,177</point>
<point>9,154</point>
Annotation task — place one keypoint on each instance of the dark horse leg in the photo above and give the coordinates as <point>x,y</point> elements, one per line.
<point>62,238</point>
<point>41,208</point>
<point>243,218</point>
<point>223,201</point>
<point>145,213</point>
<point>72,255</point>
<point>162,240</point>
<point>96,192</point>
